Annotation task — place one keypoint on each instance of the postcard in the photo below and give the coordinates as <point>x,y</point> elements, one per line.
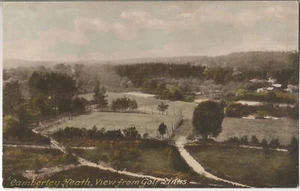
<point>150,94</point>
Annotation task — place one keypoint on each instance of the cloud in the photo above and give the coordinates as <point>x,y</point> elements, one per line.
<point>158,30</point>
<point>56,35</point>
<point>90,24</point>
<point>283,13</point>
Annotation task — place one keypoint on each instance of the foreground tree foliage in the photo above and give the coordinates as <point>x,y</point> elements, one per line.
<point>207,119</point>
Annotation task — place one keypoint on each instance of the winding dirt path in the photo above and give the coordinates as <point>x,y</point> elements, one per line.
<point>84,162</point>
<point>197,167</point>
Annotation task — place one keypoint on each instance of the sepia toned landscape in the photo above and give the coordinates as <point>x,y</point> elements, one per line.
<point>147,97</point>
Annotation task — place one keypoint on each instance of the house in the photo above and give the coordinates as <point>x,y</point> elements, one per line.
<point>277,85</point>
<point>261,90</point>
<point>272,80</point>
<point>292,89</point>
<point>255,80</point>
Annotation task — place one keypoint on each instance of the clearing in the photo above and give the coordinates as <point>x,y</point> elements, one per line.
<point>144,123</point>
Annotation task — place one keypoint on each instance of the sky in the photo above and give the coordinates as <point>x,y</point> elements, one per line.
<point>100,31</point>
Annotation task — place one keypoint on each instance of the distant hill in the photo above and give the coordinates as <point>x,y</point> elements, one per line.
<point>253,60</point>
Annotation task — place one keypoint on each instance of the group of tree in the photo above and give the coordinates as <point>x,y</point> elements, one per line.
<point>273,144</point>
<point>122,104</point>
<point>14,131</point>
<point>51,93</point>
<point>221,70</point>
<point>97,134</point>
<point>272,97</point>
<point>140,73</point>
<point>159,88</point>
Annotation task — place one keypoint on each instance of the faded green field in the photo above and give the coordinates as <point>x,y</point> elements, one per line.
<point>164,162</point>
<point>249,166</point>
<point>158,162</point>
<point>144,123</point>
<point>150,104</point>
<point>284,129</point>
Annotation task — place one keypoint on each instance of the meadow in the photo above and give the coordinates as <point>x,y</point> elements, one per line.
<point>249,166</point>
<point>144,123</point>
<point>283,129</point>
<point>158,162</point>
<point>149,104</point>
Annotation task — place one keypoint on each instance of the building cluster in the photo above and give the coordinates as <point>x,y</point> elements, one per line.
<point>271,85</point>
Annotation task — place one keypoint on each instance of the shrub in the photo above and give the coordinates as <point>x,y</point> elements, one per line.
<point>264,144</point>
<point>36,165</point>
<point>68,158</point>
<point>234,140</point>
<point>254,140</point>
<point>274,143</point>
<point>244,140</point>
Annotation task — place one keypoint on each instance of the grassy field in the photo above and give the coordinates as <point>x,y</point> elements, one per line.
<point>150,104</point>
<point>164,162</point>
<point>157,162</point>
<point>16,160</point>
<point>144,123</point>
<point>248,166</point>
<point>284,129</point>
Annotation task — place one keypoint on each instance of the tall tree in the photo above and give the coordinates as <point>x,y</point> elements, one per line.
<point>162,107</point>
<point>207,119</point>
<point>99,96</point>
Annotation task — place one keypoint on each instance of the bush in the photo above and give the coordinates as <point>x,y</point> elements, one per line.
<point>254,140</point>
<point>234,140</point>
<point>244,140</point>
<point>153,143</point>
<point>264,144</point>
<point>274,143</point>
<point>36,165</point>
<point>68,158</point>
<point>239,110</point>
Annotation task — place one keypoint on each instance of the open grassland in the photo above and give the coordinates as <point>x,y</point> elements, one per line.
<point>144,123</point>
<point>283,129</point>
<point>16,160</point>
<point>158,162</point>
<point>164,161</point>
<point>149,104</point>
<point>249,166</point>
